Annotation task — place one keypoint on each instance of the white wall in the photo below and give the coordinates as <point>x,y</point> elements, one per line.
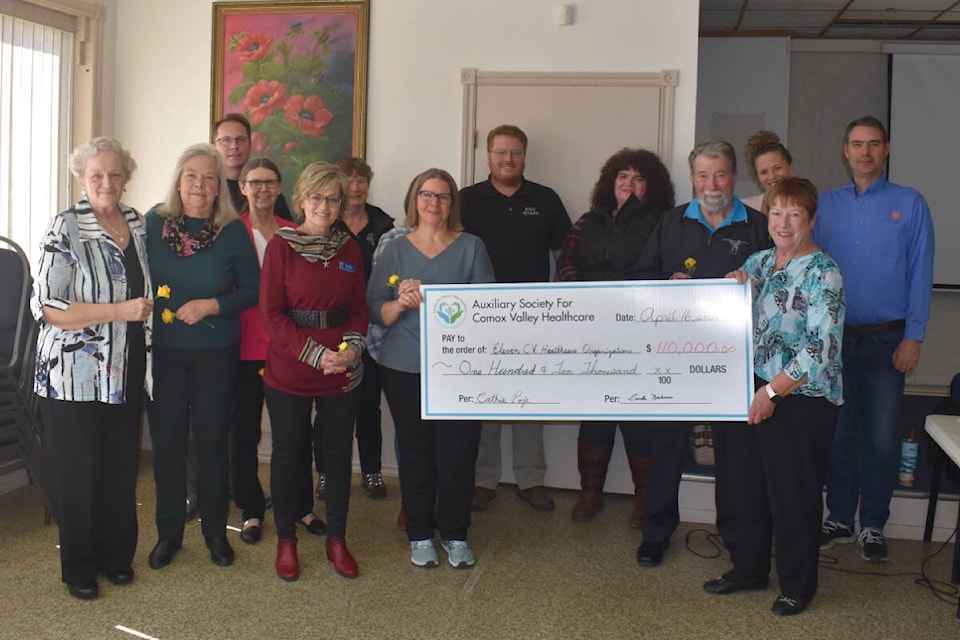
<point>417,48</point>
<point>742,77</point>
<point>161,100</point>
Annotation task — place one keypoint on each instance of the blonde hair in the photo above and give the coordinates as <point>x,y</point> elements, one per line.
<point>223,211</point>
<point>314,179</point>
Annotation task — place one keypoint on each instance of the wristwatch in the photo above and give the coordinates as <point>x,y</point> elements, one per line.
<point>774,397</point>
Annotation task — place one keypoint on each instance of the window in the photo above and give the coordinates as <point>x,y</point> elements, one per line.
<point>42,50</point>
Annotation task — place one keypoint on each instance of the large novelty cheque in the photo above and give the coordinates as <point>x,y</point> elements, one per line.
<point>665,350</point>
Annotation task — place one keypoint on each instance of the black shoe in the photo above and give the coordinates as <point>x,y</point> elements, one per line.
<point>786,606</point>
<point>191,511</point>
<point>316,526</point>
<point>250,533</point>
<point>121,577</point>
<point>162,553</point>
<point>221,553</point>
<point>650,554</point>
<point>722,586</point>
<point>86,591</point>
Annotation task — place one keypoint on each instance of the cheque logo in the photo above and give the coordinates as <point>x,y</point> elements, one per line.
<point>449,311</point>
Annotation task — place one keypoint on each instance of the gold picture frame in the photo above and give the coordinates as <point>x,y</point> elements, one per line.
<point>298,72</point>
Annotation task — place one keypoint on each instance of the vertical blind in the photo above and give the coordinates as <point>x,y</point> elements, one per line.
<point>36,63</point>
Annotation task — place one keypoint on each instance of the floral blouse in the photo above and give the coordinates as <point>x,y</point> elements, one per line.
<point>798,314</point>
<point>79,262</point>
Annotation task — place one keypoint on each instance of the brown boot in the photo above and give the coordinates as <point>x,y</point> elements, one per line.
<point>592,460</point>
<point>640,467</point>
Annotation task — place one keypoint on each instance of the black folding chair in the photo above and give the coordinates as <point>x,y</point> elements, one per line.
<point>21,432</point>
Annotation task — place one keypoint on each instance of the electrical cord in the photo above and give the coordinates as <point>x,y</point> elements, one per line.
<point>944,591</point>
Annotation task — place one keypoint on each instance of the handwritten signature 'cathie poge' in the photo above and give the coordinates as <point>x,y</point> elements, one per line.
<point>519,398</point>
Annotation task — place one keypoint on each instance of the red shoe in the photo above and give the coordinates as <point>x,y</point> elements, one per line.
<point>343,562</point>
<point>288,565</point>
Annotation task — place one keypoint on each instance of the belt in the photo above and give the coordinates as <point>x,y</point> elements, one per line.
<point>312,319</point>
<point>864,330</point>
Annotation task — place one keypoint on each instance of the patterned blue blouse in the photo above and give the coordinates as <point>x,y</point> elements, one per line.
<point>79,262</point>
<point>798,314</point>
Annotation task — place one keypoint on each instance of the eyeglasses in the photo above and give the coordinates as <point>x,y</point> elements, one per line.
<point>513,153</point>
<point>430,196</point>
<point>316,200</point>
<point>256,184</point>
<point>227,141</point>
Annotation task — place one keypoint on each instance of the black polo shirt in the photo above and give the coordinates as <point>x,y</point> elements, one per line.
<point>519,231</point>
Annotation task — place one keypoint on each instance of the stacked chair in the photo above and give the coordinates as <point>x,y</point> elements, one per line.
<point>21,433</point>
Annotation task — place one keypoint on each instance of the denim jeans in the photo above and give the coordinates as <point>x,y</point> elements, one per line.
<point>866,443</point>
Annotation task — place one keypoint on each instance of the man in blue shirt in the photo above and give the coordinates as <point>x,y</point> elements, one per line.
<point>881,235</point>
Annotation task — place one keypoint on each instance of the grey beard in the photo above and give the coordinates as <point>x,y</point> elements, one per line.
<point>714,208</point>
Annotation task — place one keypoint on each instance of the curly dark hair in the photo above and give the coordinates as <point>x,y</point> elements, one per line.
<point>660,194</point>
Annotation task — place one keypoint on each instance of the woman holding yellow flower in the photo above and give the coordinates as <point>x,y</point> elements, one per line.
<point>313,301</point>
<point>436,459</point>
<point>205,258</point>
<point>633,191</point>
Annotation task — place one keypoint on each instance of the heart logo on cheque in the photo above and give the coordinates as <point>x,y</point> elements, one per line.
<point>449,310</point>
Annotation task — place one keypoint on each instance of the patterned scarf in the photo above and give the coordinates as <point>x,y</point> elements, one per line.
<point>315,248</point>
<point>183,244</point>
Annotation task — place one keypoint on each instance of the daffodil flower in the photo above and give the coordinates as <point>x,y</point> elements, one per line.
<point>168,316</point>
<point>691,266</point>
<point>343,346</point>
<point>260,372</point>
<point>393,281</point>
<point>163,291</point>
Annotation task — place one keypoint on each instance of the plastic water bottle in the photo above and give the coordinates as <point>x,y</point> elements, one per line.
<point>908,460</point>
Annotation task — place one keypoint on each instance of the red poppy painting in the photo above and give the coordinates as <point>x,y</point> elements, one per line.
<point>297,71</point>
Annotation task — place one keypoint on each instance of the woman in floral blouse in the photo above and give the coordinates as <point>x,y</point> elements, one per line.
<point>779,462</point>
<point>92,300</point>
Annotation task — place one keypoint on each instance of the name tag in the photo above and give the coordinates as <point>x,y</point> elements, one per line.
<point>346,266</point>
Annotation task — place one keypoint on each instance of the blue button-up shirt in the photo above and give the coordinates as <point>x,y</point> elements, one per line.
<point>883,241</point>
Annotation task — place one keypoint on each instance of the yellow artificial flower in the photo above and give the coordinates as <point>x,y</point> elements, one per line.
<point>393,281</point>
<point>168,316</point>
<point>163,291</point>
<point>691,266</point>
<point>343,346</point>
<point>260,372</point>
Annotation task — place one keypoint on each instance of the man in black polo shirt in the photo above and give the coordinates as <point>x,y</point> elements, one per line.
<point>523,225</point>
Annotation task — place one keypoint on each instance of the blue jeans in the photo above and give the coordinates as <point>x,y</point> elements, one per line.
<point>866,444</point>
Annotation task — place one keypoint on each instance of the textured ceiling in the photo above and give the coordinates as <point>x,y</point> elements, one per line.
<point>914,20</point>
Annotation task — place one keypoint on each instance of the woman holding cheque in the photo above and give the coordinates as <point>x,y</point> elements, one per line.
<point>778,462</point>
<point>437,458</point>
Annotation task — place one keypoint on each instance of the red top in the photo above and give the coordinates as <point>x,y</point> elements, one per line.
<point>253,335</point>
<point>290,281</point>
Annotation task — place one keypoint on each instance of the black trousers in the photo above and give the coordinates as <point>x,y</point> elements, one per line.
<point>91,455</point>
<point>604,434</point>
<point>777,472</point>
<point>292,434</point>
<point>437,462</point>
<point>369,434</point>
<point>669,452</point>
<point>245,439</point>
<point>192,388</point>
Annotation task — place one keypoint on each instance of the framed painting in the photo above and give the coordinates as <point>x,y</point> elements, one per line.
<point>298,72</point>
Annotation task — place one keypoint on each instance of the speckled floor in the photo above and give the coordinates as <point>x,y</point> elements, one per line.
<point>539,575</point>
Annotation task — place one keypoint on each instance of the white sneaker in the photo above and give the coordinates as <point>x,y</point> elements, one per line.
<point>458,553</point>
<point>423,553</point>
